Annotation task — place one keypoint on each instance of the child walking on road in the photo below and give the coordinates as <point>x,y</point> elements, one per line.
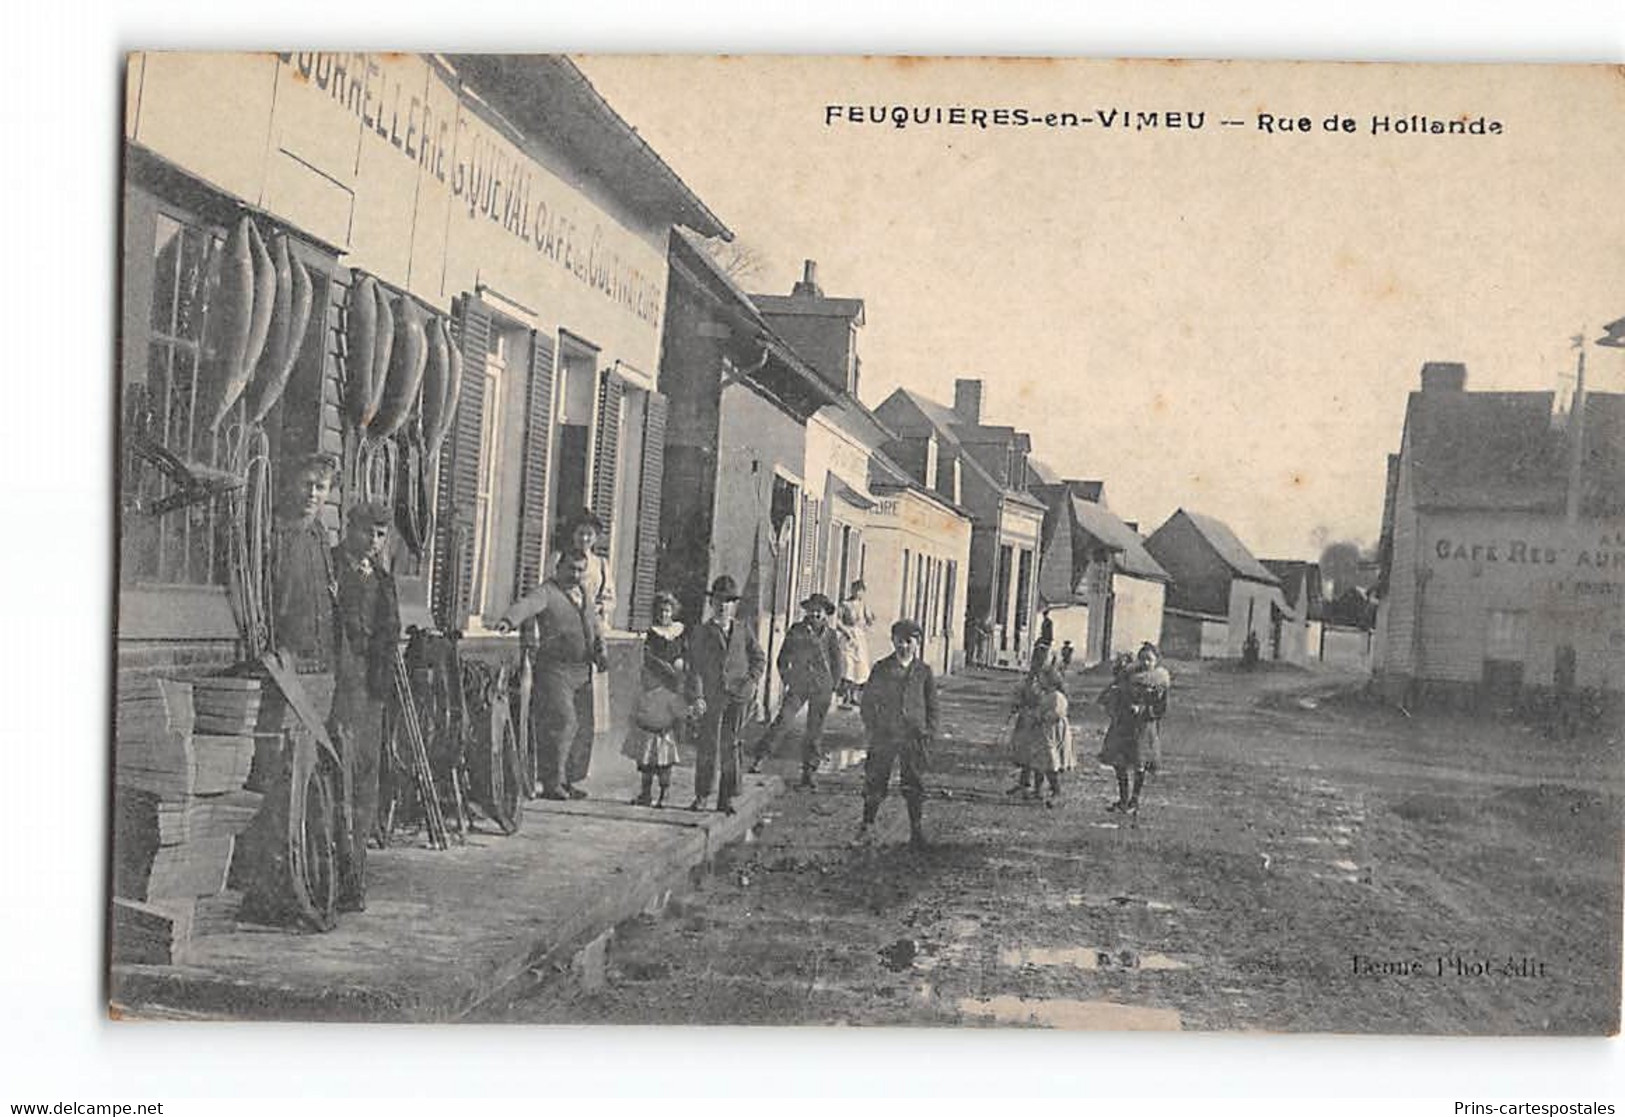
<point>1135,701</point>
<point>899,714</point>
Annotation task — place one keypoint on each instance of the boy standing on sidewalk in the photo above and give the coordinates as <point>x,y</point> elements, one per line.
<point>900,716</point>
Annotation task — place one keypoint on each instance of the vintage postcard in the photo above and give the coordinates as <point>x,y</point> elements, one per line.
<point>866,540</point>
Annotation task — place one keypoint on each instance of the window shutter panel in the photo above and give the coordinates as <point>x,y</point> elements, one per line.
<point>606,455</point>
<point>809,543</point>
<point>646,555</point>
<point>460,470</point>
<point>533,484</point>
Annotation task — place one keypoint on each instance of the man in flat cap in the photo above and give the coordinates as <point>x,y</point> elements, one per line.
<point>726,666</point>
<point>809,664</point>
<point>369,629</point>
<point>900,717</point>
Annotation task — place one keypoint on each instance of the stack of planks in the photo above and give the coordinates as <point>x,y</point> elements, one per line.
<point>182,754</point>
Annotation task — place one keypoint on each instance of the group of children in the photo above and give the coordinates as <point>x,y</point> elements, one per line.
<point>899,712</point>
<point>1041,739</point>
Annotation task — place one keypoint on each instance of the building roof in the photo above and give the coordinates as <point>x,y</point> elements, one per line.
<point>1116,536</point>
<point>1231,550</point>
<point>886,476</point>
<point>801,380</point>
<point>944,421</point>
<point>546,95</point>
<point>1042,473</point>
<point>823,306</point>
<point>1501,451</point>
<point>1298,578</point>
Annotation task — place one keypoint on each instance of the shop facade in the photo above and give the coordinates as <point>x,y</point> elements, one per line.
<point>1503,546</point>
<point>498,197</point>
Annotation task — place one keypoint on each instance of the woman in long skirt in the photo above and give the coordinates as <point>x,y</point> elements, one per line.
<point>852,623</point>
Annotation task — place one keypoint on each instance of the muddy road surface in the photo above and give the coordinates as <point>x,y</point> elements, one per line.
<point>1307,861</point>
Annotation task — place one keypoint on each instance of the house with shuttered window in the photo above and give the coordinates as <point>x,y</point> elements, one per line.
<point>499,196</point>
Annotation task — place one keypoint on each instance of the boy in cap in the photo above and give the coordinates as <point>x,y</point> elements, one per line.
<point>369,629</point>
<point>809,664</point>
<point>900,716</point>
<point>726,664</point>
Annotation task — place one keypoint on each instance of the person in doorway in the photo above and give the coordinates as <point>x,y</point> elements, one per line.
<point>852,624</point>
<point>1135,702</point>
<point>661,711</point>
<point>368,638</point>
<point>900,719</point>
<point>726,665</point>
<point>809,663</point>
<point>569,657</point>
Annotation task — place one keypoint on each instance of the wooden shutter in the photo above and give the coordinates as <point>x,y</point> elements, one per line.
<point>606,455</point>
<point>646,553</point>
<point>533,480</point>
<point>460,470</point>
<point>809,544</point>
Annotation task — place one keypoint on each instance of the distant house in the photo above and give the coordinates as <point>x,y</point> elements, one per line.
<point>984,469</point>
<point>1503,544</point>
<point>1295,629</point>
<point>1104,591</point>
<point>1220,592</point>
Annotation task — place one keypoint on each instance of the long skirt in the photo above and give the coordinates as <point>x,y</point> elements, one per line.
<point>1132,746</point>
<point>1044,746</point>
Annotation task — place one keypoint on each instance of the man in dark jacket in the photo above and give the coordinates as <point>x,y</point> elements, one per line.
<point>726,664</point>
<point>900,716</point>
<point>369,629</point>
<point>809,665</point>
<point>569,648</point>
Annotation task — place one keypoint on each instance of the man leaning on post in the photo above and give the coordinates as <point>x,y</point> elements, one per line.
<point>900,717</point>
<point>569,648</point>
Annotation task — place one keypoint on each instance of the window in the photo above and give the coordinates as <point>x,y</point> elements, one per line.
<point>186,546</point>
<point>1506,633</point>
<point>577,395</point>
<point>1024,589</point>
<point>1001,595</point>
<point>501,467</point>
<point>902,604</point>
<point>950,586</point>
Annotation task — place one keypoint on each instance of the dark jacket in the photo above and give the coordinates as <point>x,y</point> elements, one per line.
<point>369,621</point>
<point>304,593</point>
<point>567,634</point>
<point>900,702</point>
<point>810,662</point>
<point>722,668</point>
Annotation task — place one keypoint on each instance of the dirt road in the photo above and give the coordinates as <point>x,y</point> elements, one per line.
<point>1307,861</point>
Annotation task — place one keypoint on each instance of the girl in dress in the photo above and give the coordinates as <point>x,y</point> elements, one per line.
<point>662,711</point>
<point>852,624</point>
<point>1042,739</point>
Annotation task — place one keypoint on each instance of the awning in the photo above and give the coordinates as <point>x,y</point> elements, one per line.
<point>839,489</point>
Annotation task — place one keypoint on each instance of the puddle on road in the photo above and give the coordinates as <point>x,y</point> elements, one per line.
<point>1346,866</point>
<point>1088,958</point>
<point>1066,1013</point>
<point>1101,900</point>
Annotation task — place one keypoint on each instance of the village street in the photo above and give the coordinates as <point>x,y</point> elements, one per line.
<point>1296,826</point>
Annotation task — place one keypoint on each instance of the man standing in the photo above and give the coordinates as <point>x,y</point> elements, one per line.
<point>569,650</point>
<point>369,629</point>
<point>809,664</point>
<point>900,716</point>
<point>726,666</point>
<point>302,576</point>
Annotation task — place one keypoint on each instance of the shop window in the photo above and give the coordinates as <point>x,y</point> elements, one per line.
<point>1505,646</point>
<point>186,546</point>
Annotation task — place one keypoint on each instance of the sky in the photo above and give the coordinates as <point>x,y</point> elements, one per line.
<point>1224,319</point>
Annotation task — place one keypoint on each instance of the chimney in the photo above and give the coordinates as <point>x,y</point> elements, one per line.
<point>1444,376</point>
<point>968,402</point>
<point>807,285</point>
